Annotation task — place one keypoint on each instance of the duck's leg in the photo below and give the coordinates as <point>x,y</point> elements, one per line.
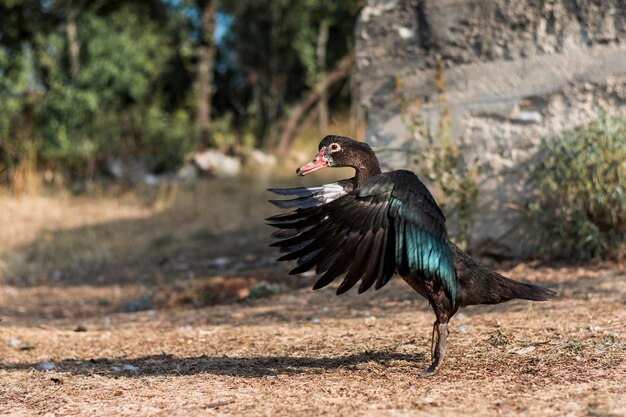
<point>439,352</point>
<point>434,337</point>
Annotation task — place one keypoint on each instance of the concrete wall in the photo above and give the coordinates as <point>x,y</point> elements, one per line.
<point>516,72</point>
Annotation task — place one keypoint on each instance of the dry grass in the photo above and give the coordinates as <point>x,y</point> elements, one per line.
<point>70,343</point>
<point>42,236</point>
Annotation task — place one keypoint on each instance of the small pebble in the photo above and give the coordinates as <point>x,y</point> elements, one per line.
<point>129,367</point>
<point>47,366</point>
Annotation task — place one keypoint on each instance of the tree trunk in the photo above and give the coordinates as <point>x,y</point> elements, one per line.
<point>72,42</point>
<point>274,79</point>
<point>322,42</point>
<point>304,106</point>
<point>204,77</point>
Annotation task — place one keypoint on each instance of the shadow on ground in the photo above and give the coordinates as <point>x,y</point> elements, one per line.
<point>160,365</point>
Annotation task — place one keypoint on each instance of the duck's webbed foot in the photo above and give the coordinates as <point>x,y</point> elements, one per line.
<point>440,332</point>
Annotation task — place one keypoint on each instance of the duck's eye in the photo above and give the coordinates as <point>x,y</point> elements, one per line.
<point>334,147</point>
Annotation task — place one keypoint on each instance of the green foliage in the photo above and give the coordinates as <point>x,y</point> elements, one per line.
<point>12,88</point>
<point>580,205</point>
<point>112,106</point>
<point>64,116</point>
<point>165,139</point>
<point>124,55</point>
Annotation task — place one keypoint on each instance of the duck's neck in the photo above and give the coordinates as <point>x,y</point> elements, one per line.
<point>365,170</point>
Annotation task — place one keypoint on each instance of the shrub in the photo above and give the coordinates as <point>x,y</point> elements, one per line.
<point>580,205</point>
<point>164,139</point>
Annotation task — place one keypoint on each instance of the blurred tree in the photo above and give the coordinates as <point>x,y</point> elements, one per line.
<point>82,81</point>
<point>21,21</point>
<point>320,67</point>
<point>91,71</point>
<point>123,52</point>
<point>282,49</point>
<point>206,58</point>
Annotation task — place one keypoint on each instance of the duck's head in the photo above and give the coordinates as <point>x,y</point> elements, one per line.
<point>340,151</point>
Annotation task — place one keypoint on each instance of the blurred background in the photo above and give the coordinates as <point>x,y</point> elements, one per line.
<point>137,137</point>
<point>97,89</point>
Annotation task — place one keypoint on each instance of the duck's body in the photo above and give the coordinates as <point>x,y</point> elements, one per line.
<point>377,224</point>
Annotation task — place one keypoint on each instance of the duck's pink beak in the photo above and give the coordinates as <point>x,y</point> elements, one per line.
<point>319,162</point>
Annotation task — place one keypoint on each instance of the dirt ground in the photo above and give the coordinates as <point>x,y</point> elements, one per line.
<point>159,327</point>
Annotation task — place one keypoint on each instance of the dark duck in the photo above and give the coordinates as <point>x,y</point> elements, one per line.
<point>374,225</point>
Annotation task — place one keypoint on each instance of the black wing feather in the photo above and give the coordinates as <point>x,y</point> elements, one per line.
<point>375,261</point>
<point>338,268</point>
<point>357,268</point>
<point>392,223</point>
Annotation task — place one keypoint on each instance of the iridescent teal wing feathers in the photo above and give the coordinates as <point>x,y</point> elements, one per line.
<point>421,241</point>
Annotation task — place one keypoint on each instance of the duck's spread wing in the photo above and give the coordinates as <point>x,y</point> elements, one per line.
<point>390,224</point>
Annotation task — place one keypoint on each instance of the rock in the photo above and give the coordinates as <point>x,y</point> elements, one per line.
<point>47,366</point>
<point>129,169</point>
<point>116,168</point>
<point>188,172</point>
<point>129,367</point>
<point>151,180</point>
<point>215,163</point>
<point>219,262</point>
<point>261,158</point>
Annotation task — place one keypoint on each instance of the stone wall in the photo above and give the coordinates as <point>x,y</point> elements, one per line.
<point>516,72</point>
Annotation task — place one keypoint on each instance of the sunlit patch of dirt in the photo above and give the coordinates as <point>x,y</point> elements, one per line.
<point>311,353</point>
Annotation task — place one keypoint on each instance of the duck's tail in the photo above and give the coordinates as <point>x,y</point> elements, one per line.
<point>477,284</point>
